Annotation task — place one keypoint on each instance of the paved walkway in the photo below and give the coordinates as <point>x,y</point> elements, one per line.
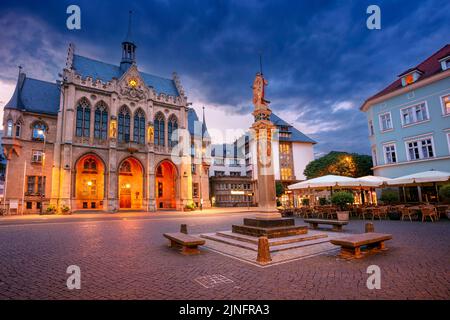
<point>100,216</point>
<point>128,258</point>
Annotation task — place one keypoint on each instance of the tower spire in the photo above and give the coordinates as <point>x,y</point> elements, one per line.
<point>204,128</point>
<point>128,48</point>
<point>128,36</point>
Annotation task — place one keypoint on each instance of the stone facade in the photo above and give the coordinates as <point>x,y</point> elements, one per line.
<point>112,141</point>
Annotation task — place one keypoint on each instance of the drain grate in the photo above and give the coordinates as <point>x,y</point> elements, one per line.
<point>212,280</point>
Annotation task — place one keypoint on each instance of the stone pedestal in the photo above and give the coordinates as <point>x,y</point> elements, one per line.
<point>269,227</point>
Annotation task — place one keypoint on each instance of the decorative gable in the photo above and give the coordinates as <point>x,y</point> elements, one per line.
<point>132,86</point>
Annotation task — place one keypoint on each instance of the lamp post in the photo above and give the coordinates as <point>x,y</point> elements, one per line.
<point>42,133</point>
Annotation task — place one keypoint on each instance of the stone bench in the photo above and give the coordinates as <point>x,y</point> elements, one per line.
<point>351,245</point>
<point>337,224</point>
<point>188,244</point>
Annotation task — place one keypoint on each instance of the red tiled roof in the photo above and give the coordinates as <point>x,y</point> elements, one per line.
<point>429,67</point>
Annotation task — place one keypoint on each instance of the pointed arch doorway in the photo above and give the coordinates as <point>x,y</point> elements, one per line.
<point>165,184</point>
<point>89,183</point>
<point>131,184</point>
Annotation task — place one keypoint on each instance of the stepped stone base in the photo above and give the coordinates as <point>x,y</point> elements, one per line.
<point>269,227</point>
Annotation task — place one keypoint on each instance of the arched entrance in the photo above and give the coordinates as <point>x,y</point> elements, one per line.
<point>131,184</point>
<point>89,183</point>
<point>165,184</point>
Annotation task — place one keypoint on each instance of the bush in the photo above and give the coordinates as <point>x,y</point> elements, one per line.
<point>342,199</point>
<point>51,209</point>
<point>305,201</point>
<point>389,196</point>
<point>190,206</point>
<point>65,209</point>
<point>444,193</point>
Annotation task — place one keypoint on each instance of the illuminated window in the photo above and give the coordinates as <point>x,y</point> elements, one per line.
<point>9,128</point>
<point>139,127</point>
<point>100,121</point>
<point>286,173</point>
<point>159,129</point>
<point>446,105</point>
<point>83,121</point>
<point>39,129</point>
<point>124,125</point>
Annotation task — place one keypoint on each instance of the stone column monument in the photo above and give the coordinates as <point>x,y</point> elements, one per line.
<point>262,131</point>
<point>268,221</point>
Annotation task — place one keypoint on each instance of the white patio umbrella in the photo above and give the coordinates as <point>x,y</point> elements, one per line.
<point>332,181</point>
<point>378,179</point>
<point>421,177</point>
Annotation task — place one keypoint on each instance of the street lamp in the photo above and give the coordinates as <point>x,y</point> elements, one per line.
<point>42,133</point>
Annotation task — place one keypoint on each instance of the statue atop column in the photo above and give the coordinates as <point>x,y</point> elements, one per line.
<point>263,130</point>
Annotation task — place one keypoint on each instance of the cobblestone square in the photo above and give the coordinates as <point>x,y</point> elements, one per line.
<point>126,257</point>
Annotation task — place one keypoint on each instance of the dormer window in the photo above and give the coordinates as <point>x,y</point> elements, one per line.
<point>445,63</point>
<point>410,77</point>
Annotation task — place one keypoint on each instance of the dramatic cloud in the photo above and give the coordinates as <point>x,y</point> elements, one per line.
<point>318,56</point>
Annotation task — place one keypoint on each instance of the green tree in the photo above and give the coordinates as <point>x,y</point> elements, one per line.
<point>279,189</point>
<point>444,193</point>
<point>341,164</point>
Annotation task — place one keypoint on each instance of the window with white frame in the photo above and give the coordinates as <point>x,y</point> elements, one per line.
<point>390,154</point>
<point>37,156</point>
<point>374,156</point>
<point>371,131</point>
<point>420,148</point>
<point>385,121</point>
<point>414,114</point>
<point>446,105</point>
<point>448,141</point>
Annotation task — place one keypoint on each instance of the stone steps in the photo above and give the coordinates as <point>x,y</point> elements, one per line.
<point>279,244</point>
<point>272,241</point>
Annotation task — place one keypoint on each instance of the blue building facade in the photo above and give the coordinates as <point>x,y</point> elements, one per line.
<point>409,121</point>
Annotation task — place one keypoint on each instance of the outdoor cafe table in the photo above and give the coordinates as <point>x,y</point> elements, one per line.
<point>368,211</point>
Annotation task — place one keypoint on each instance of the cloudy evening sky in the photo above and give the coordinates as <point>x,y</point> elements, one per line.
<point>318,56</point>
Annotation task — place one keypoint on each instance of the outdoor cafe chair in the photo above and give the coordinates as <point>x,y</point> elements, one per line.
<point>428,211</point>
<point>406,212</point>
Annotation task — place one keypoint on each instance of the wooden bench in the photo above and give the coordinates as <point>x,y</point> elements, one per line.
<point>351,246</point>
<point>337,224</point>
<point>188,244</point>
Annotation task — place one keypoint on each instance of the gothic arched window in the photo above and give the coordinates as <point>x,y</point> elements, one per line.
<point>39,129</point>
<point>124,125</point>
<point>125,168</point>
<point>9,128</point>
<point>139,127</point>
<point>83,124</point>
<point>90,164</point>
<point>18,129</point>
<point>101,121</point>
<point>159,129</point>
<point>172,133</point>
